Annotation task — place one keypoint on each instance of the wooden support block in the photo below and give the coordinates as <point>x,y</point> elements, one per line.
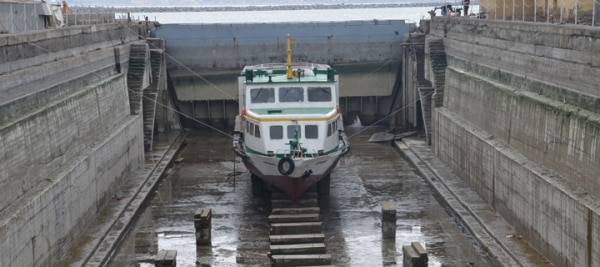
<point>290,211</point>
<point>307,195</point>
<point>388,220</point>
<point>166,258</point>
<point>414,255</point>
<point>310,248</point>
<point>296,228</point>
<point>282,203</point>
<point>300,260</point>
<point>283,218</point>
<point>202,223</point>
<point>202,217</point>
<point>297,239</point>
<point>409,256</point>
<point>420,250</point>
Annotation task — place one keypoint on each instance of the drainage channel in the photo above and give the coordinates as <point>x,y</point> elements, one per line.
<point>296,236</point>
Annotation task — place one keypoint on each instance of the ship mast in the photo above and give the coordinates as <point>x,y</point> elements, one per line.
<point>290,72</point>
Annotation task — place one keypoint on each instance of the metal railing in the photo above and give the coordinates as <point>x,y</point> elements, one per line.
<point>73,19</point>
<point>552,11</point>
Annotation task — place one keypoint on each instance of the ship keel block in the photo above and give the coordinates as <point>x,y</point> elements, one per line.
<point>300,260</point>
<point>296,228</point>
<point>290,211</point>
<point>281,203</point>
<point>283,218</point>
<point>297,239</point>
<point>308,248</point>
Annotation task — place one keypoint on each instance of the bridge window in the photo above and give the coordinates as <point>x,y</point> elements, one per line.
<point>291,94</point>
<point>276,132</point>
<point>311,131</point>
<point>262,95</point>
<point>256,130</point>
<point>291,130</point>
<point>319,94</point>
<point>332,127</point>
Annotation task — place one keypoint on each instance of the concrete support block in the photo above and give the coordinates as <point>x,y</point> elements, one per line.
<point>202,223</point>
<point>414,255</point>
<point>388,220</point>
<point>166,258</point>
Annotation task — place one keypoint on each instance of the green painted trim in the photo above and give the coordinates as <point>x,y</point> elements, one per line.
<point>282,155</point>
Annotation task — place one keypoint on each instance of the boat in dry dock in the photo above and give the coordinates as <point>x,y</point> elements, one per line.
<point>289,132</point>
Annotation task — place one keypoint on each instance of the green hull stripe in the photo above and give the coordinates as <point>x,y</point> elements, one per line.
<point>281,155</point>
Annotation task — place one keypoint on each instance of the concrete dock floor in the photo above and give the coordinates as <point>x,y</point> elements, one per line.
<point>428,211</point>
<point>351,215</point>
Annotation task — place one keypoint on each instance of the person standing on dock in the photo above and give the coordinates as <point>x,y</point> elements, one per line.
<point>466,7</point>
<point>65,9</point>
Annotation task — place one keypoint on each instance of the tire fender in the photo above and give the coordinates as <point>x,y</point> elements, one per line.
<point>281,166</point>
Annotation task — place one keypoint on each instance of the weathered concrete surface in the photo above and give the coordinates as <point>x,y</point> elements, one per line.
<point>67,139</point>
<point>96,245</point>
<point>351,216</point>
<point>60,165</point>
<point>520,123</point>
<point>496,236</point>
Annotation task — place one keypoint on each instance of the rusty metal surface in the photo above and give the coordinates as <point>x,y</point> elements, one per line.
<point>371,174</point>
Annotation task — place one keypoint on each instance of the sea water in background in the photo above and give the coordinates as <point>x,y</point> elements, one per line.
<point>410,14</point>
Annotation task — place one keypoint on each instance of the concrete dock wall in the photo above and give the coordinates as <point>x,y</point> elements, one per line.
<point>520,122</point>
<point>67,136</point>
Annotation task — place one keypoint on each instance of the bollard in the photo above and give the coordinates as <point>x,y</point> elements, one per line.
<point>166,258</point>
<point>414,255</point>
<point>388,220</point>
<point>202,223</point>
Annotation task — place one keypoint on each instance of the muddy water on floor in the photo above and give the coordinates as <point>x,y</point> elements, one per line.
<point>370,174</point>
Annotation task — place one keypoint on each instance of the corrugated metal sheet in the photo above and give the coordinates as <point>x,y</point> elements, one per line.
<point>232,46</point>
<point>21,17</point>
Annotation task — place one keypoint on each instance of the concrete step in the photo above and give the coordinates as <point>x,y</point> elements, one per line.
<point>296,228</point>
<point>283,218</point>
<point>308,248</point>
<point>299,260</point>
<point>290,211</point>
<point>297,239</point>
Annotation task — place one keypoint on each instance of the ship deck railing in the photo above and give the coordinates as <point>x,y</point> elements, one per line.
<point>297,153</point>
<point>283,66</point>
